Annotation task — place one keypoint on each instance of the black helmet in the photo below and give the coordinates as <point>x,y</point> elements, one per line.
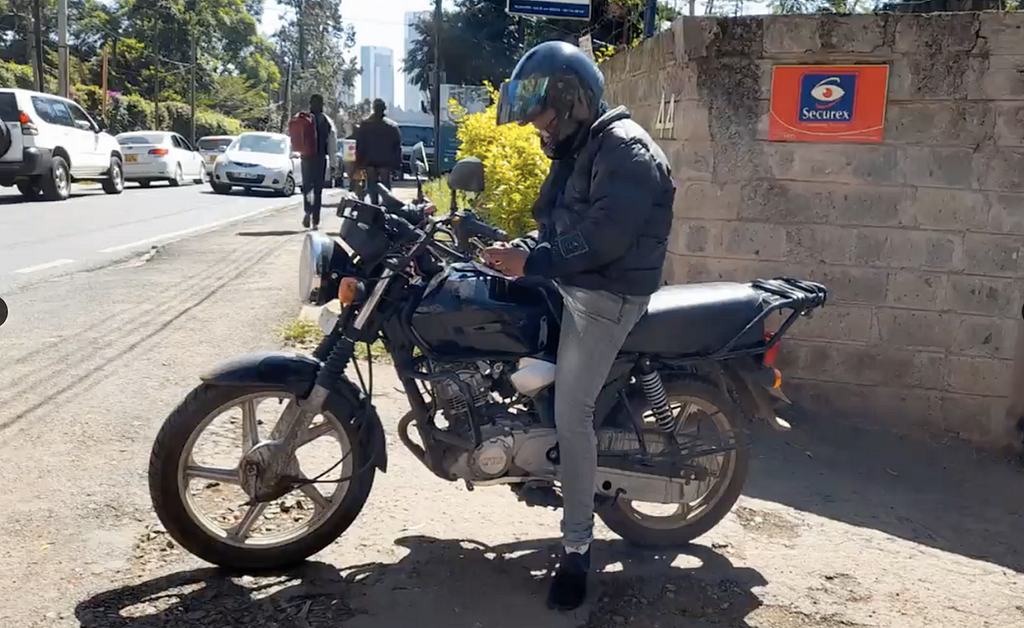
<point>558,76</point>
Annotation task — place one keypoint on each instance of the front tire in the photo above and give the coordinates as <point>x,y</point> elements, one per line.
<point>289,186</point>
<point>114,183</point>
<point>644,530</point>
<point>219,188</point>
<point>174,440</point>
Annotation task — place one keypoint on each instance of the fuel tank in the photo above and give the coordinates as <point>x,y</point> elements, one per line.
<point>466,312</point>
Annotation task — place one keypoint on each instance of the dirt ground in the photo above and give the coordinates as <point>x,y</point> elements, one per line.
<point>838,526</point>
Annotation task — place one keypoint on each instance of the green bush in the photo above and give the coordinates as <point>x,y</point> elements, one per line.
<point>16,75</point>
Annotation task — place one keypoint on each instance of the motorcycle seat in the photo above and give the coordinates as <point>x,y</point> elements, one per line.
<point>697,319</point>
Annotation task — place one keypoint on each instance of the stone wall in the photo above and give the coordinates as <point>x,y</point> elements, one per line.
<point>919,238</point>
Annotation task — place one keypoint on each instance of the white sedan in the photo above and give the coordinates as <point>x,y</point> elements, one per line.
<point>258,160</point>
<point>160,156</point>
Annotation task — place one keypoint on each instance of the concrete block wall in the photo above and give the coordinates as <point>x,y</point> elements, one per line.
<point>919,238</point>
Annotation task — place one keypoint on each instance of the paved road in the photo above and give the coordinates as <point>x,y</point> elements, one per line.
<point>40,239</point>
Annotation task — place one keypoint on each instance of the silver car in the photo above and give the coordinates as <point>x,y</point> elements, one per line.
<point>258,160</point>
<point>211,147</point>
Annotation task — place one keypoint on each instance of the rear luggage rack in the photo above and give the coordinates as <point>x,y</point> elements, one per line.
<point>782,293</point>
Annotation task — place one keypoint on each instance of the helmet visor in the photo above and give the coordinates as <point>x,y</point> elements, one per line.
<point>522,100</point>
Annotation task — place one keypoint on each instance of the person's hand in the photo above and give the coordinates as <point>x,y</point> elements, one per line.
<point>506,259</point>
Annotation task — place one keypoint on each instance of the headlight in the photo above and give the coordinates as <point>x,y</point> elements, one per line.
<point>321,268</point>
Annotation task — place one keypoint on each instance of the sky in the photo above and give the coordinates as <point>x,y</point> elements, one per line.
<point>373,26</point>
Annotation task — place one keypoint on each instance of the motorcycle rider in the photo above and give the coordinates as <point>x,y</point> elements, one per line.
<point>604,214</point>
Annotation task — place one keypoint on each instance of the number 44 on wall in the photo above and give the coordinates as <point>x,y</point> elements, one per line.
<point>666,120</point>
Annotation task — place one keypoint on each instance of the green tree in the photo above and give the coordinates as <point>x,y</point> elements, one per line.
<point>317,44</point>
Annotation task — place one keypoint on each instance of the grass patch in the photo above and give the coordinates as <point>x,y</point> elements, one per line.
<point>304,334</point>
<point>300,332</point>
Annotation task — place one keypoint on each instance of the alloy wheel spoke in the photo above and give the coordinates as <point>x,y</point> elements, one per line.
<point>313,493</point>
<point>314,432</point>
<point>225,476</point>
<point>244,528</point>
<point>250,427</point>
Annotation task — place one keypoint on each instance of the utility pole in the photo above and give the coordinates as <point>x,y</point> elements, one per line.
<point>301,19</point>
<point>650,15</point>
<point>287,97</point>
<point>62,48</point>
<point>106,62</point>
<point>37,34</point>
<point>436,96</point>
<point>693,7</point>
<point>192,90</point>
<point>156,80</point>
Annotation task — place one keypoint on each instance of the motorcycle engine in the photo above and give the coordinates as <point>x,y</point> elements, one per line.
<point>507,442</point>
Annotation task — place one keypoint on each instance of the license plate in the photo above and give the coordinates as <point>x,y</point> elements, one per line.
<point>211,158</point>
<point>130,159</point>
<point>245,175</point>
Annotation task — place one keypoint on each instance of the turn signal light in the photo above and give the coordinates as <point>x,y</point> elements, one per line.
<point>348,290</point>
<point>771,354</point>
<point>158,151</point>
<point>778,379</point>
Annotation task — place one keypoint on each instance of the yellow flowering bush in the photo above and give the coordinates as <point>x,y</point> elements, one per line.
<point>514,164</point>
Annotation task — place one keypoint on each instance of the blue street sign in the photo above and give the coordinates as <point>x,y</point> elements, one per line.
<point>560,9</point>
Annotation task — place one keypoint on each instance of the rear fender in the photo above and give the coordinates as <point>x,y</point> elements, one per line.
<point>296,374</point>
<point>757,389</point>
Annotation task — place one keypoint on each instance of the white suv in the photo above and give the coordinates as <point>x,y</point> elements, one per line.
<point>46,142</point>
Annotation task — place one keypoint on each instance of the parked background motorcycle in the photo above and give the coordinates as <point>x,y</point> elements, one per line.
<point>474,351</point>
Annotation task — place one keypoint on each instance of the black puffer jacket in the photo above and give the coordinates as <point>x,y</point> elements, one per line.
<point>605,215</point>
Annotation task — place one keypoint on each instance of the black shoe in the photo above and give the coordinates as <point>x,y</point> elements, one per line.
<point>569,586</point>
<point>305,221</point>
<point>316,226</point>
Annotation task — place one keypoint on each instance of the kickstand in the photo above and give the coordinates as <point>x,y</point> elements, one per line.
<point>638,425</point>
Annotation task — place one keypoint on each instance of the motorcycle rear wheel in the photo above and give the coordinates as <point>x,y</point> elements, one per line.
<point>168,485</point>
<point>645,530</point>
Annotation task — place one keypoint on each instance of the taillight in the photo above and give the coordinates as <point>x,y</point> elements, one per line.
<point>28,127</point>
<point>771,354</point>
<point>158,151</point>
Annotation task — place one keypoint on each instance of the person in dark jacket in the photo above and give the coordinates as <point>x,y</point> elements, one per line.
<point>314,169</point>
<point>378,149</point>
<point>604,215</point>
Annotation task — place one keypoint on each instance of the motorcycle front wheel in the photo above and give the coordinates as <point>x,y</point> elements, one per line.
<point>184,478</point>
<point>700,408</point>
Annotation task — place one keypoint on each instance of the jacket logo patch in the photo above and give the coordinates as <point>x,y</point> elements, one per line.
<point>572,244</point>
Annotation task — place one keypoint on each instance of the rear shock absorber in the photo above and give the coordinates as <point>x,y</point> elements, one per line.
<point>654,390</point>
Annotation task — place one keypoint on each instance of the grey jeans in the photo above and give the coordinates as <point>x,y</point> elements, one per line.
<point>594,326</point>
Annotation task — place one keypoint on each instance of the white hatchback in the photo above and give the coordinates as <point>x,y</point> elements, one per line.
<point>258,160</point>
<point>160,156</point>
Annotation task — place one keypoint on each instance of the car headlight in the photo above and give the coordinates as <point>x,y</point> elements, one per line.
<point>323,264</point>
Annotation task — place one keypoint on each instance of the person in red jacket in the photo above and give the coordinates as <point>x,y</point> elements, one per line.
<point>314,166</point>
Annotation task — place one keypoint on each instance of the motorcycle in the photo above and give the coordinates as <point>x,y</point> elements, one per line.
<point>475,351</point>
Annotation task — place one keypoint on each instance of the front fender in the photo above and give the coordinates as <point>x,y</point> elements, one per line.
<point>296,373</point>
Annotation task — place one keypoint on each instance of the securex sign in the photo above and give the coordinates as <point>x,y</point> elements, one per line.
<point>828,103</point>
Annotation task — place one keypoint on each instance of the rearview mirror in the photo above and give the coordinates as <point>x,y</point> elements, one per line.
<point>84,125</point>
<point>467,175</point>
<point>419,158</point>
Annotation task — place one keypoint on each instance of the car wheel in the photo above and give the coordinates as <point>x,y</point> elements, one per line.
<point>179,177</point>
<point>289,186</point>
<point>202,176</point>
<point>56,186</point>
<point>114,183</point>
<point>30,189</point>
<point>144,184</point>
<point>219,188</point>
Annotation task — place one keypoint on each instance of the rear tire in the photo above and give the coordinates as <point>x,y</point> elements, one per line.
<point>179,177</point>
<point>29,189</point>
<point>165,492</point>
<point>202,176</point>
<point>56,184</point>
<point>623,519</point>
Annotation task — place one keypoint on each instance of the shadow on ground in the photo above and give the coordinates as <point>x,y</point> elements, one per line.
<point>449,583</point>
<point>942,495</point>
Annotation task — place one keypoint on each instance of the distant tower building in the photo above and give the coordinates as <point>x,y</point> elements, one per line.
<point>378,74</point>
<point>413,95</point>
